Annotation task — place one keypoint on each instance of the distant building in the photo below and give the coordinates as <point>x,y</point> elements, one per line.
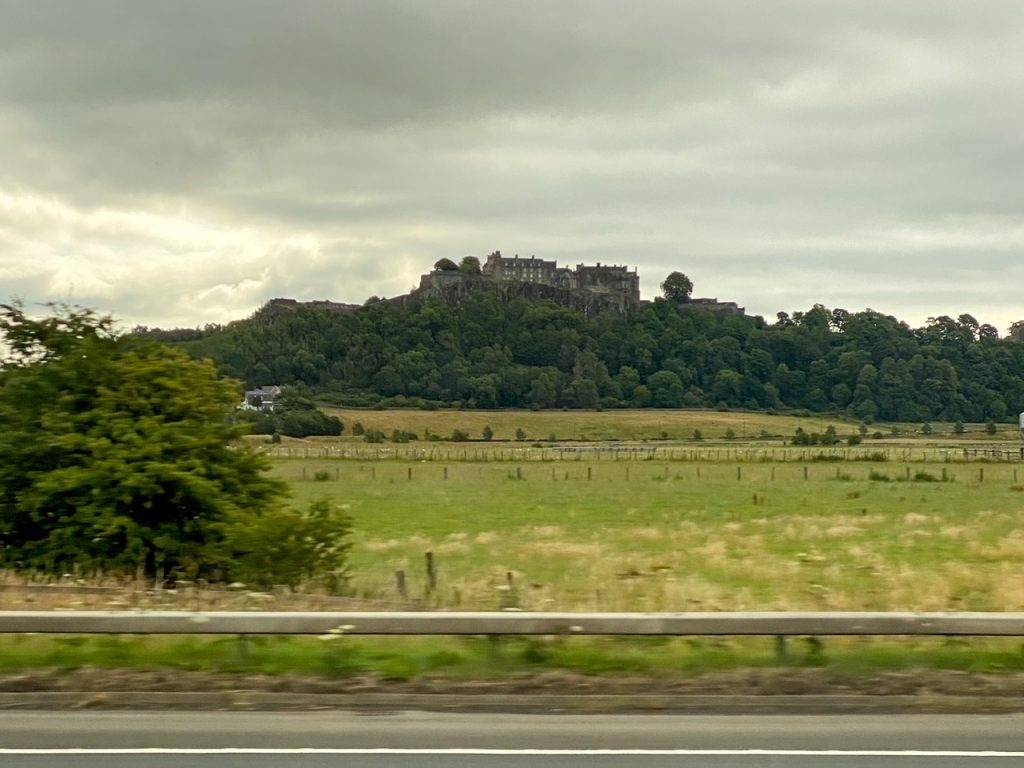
<point>588,287</point>
<point>260,399</point>
<point>616,285</point>
<point>714,305</point>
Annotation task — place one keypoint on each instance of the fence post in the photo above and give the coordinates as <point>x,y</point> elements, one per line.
<point>431,572</point>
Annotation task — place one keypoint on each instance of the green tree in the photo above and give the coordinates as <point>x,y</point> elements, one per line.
<point>488,433</point>
<point>116,452</point>
<point>470,265</point>
<point>446,265</point>
<point>677,287</point>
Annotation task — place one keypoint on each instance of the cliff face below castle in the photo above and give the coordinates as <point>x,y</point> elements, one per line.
<point>453,288</point>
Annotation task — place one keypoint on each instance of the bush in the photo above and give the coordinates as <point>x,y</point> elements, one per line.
<point>459,436</point>
<point>520,434</point>
<point>357,429</point>
<point>289,546</point>
<point>488,433</point>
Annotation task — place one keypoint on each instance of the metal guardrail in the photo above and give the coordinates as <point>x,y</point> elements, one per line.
<point>512,623</point>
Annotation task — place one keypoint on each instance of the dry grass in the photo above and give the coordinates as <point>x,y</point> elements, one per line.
<point>647,424</point>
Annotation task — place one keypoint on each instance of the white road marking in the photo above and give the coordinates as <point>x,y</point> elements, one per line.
<point>514,752</point>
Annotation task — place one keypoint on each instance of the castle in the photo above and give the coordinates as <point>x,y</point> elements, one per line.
<point>609,285</point>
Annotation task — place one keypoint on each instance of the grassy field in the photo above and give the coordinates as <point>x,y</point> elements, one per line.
<point>647,424</point>
<point>608,534</point>
<point>674,524</point>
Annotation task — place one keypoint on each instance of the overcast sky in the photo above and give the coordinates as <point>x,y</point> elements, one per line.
<point>181,163</point>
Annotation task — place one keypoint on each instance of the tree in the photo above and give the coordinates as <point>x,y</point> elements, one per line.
<point>677,287</point>
<point>116,452</point>
<point>470,266</point>
<point>488,433</point>
<point>446,265</point>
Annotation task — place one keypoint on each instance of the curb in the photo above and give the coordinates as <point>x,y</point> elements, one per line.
<point>518,703</point>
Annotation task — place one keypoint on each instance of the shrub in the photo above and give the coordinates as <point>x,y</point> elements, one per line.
<point>520,434</point>
<point>488,433</point>
<point>289,546</point>
<point>459,436</point>
<point>357,429</point>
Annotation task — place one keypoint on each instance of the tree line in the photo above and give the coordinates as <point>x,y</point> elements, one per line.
<point>491,351</point>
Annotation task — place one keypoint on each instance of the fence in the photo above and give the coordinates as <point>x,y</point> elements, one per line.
<point>646,452</point>
<point>779,624</point>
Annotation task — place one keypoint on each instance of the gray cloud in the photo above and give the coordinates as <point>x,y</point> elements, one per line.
<point>182,163</point>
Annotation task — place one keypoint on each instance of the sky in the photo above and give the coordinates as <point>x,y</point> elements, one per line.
<point>177,164</point>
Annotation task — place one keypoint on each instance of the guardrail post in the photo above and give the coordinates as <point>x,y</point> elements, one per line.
<point>781,648</point>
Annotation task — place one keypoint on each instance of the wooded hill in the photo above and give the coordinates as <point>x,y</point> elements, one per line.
<point>495,351</point>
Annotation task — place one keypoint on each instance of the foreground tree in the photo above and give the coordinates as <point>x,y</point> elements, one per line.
<point>116,453</point>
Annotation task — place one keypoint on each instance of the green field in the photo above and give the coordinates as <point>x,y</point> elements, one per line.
<point>646,424</point>
<point>900,523</point>
<point>725,528</point>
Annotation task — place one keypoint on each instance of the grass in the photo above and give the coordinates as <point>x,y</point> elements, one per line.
<point>665,526</point>
<point>647,424</point>
<point>644,424</point>
<point>684,535</point>
<point>400,659</point>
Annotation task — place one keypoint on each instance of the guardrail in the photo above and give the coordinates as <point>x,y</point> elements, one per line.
<point>512,623</point>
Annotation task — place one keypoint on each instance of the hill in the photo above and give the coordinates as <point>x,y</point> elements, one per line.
<point>500,348</point>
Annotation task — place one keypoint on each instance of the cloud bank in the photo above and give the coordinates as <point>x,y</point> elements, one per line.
<point>177,164</point>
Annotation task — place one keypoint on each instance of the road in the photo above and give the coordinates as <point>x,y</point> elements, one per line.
<point>431,740</point>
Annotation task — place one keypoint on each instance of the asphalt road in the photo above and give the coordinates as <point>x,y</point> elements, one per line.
<point>431,740</point>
